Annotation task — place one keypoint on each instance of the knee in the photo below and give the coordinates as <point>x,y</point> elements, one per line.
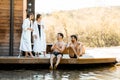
<point>59,56</point>
<point>51,57</point>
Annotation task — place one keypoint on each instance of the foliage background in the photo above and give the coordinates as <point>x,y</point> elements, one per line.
<point>95,27</point>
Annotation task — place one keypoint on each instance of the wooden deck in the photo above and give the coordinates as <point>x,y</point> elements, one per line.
<point>65,60</point>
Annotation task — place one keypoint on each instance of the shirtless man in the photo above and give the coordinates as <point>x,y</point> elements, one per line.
<point>75,48</point>
<point>57,49</point>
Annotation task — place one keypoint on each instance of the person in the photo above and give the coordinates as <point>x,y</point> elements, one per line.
<point>75,48</point>
<point>39,36</point>
<point>25,43</point>
<point>57,49</point>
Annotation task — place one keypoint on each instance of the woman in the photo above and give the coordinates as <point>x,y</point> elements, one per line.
<point>25,44</point>
<point>39,36</point>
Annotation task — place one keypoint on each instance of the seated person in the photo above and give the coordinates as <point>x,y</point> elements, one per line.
<point>75,48</point>
<point>57,49</point>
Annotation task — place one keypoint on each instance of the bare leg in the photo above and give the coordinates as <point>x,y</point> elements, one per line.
<point>80,50</point>
<point>31,54</point>
<point>58,61</point>
<point>36,54</point>
<point>44,52</point>
<point>71,52</point>
<point>26,54</point>
<point>51,61</point>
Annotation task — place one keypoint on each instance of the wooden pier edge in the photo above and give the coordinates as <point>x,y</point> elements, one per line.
<point>15,60</point>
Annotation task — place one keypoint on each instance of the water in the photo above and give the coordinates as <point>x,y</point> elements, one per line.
<point>101,73</point>
<point>87,73</point>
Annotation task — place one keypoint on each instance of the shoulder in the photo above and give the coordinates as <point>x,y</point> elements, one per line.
<point>35,22</point>
<point>63,43</point>
<point>55,43</point>
<point>42,23</point>
<point>26,20</point>
<point>80,43</point>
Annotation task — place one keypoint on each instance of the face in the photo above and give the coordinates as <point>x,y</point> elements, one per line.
<point>73,39</point>
<point>31,17</point>
<point>59,37</point>
<point>40,18</point>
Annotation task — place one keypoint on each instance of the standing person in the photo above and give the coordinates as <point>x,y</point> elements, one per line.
<point>75,48</point>
<point>25,44</point>
<point>39,36</point>
<point>57,49</point>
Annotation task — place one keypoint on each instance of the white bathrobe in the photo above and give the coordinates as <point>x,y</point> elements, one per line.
<point>40,42</point>
<point>25,43</point>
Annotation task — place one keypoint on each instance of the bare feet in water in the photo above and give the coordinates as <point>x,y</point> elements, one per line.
<point>51,67</point>
<point>55,67</point>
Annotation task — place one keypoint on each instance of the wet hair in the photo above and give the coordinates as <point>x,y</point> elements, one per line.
<point>28,15</point>
<point>74,37</point>
<point>61,34</point>
<point>38,16</point>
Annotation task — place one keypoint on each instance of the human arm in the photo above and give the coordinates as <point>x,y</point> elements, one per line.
<point>53,46</point>
<point>60,49</point>
<point>26,25</point>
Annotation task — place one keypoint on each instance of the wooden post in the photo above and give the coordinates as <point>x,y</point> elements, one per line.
<point>11,40</point>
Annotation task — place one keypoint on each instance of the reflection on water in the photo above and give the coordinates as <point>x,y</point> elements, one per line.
<point>102,73</point>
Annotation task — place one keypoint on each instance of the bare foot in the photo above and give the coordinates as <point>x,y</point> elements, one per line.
<point>26,56</point>
<point>51,67</point>
<point>31,56</point>
<point>55,67</point>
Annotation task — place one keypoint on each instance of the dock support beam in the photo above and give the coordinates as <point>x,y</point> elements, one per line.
<point>11,38</point>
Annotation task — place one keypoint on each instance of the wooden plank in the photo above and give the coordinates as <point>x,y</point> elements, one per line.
<point>5,24</point>
<point>15,60</point>
<point>18,19</point>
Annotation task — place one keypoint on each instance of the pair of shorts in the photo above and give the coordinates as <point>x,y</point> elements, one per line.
<point>75,56</point>
<point>57,53</point>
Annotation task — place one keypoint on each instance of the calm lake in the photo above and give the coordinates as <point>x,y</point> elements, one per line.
<point>100,73</point>
<point>87,73</point>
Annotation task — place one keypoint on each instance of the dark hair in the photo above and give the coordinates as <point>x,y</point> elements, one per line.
<point>74,37</point>
<point>38,16</point>
<point>28,15</point>
<point>61,34</point>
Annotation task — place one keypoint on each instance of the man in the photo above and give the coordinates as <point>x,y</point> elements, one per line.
<point>75,48</point>
<point>57,49</point>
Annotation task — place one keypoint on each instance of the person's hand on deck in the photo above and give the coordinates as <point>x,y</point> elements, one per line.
<point>78,57</point>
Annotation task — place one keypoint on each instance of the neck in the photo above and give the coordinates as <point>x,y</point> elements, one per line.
<point>29,19</point>
<point>74,42</point>
<point>38,22</point>
<point>60,40</point>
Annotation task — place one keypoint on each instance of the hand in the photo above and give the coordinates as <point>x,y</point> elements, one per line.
<point>43,26</point>
<point>71,45</point>
<point>35,36</point>
<point>30,29</point>
<point>78,57</point>
<point>55,47</point>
